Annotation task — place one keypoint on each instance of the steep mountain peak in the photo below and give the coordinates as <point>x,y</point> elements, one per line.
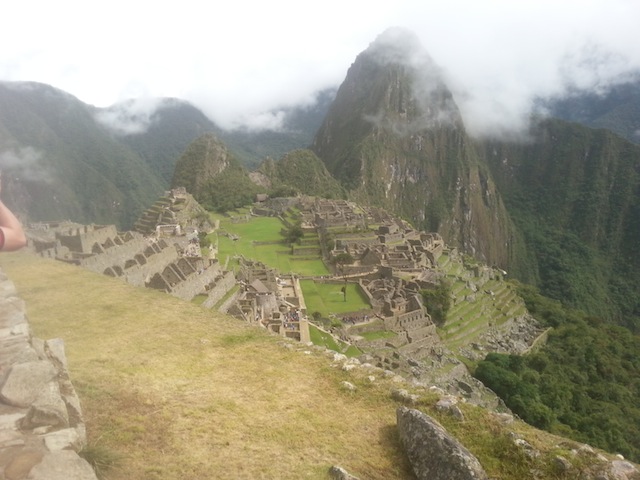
<point>394,137</point>
<point>415,82</point>
<point>392,88</point>
<point>398,45</point>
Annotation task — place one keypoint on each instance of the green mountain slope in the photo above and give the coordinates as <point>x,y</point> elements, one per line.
<point>173,125</point>
<point>299,125</point>
<point>60,163</point>
<point>213,175</point>
<point>299,171</point>
<point>574,192</point>
<point>617,109</point>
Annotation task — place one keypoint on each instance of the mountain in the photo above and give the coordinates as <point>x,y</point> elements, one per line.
<point>168,130</point>
<point>574,193</point>
<point>213,175</point>
<point>617,108</point>
<point>560,209</point>
<point>394,137</point>
<point>60,162</point>
<point>299,125</point>
<point>299,171</point>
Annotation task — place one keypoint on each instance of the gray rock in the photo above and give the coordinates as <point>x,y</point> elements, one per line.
<point>55,350</point>
<point>339,473</point>
<point>562,464</point>
<point>67,439</point>
<point>62,465</point>
<point>348,386</point>
<point>623,470</point>
<point>22,463</point>
<point>401,395</point>
<point>48,409</point>
<point>25,382</point>
<point>434,454</point>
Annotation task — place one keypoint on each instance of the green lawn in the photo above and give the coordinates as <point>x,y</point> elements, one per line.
<point>274,254</point>
<point>327,298</point>
<point>377,335</point>
<point>318,337</point>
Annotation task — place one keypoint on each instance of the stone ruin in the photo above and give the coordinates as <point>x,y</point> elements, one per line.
<point>41,424</point>
<point>337,213</point>
<point>271,300</point>
<point>159,254</point>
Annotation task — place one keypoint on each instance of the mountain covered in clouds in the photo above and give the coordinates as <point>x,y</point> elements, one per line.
<point>617,108</point>
<point>395,138</point>
<point>559,208</point>
<point>64,159</point>
<point>59,162</point>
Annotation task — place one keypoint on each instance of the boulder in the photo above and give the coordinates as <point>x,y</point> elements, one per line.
<point>62,465</point>
<point>338,473</point>
<point>435,454</point>
<point>25,381</point>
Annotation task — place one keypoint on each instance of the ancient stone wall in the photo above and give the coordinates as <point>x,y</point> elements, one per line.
<point>82,239</point>
<point>222,285</point>
<point>115,255</point>
<point>195,283</point>
<point>41,424</point>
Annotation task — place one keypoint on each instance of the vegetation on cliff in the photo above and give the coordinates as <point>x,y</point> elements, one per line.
<point>583,383</point>
<point>214,176</point>
<point>300,172</point>
<point>574,193</point>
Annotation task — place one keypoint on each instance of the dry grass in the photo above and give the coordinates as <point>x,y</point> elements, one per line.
<point>176,391</point>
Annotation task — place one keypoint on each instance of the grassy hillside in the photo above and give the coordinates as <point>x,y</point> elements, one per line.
<point>171,390</point>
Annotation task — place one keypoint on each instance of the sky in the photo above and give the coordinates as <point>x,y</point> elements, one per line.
<point>240,61</point>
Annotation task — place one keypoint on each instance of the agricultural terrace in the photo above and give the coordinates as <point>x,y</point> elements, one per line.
<point>260,238</point>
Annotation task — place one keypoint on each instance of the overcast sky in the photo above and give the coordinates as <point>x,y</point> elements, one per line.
<point>238,59</point>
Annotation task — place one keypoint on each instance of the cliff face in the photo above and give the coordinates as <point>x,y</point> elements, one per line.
<point>574,193</point>
<point>394,137</point>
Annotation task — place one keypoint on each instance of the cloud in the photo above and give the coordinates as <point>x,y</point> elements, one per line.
<point>129,117</point>
<point>25,163</point>
<point>240,61</point>
<point>435,105</point>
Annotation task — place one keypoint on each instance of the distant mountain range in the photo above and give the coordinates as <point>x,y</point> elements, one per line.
<point>616,109</point>
<point>561,210</point>
<point>63,158</point>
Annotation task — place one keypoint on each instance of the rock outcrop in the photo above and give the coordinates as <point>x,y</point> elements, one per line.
<point>434,454</point>
<point>41,424</point>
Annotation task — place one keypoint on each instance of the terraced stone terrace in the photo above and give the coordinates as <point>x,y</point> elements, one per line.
<point>480,302</point>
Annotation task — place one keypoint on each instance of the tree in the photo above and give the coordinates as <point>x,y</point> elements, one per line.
<point>438,301</point>
<point>293,234</point>
<point>341,260</point>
